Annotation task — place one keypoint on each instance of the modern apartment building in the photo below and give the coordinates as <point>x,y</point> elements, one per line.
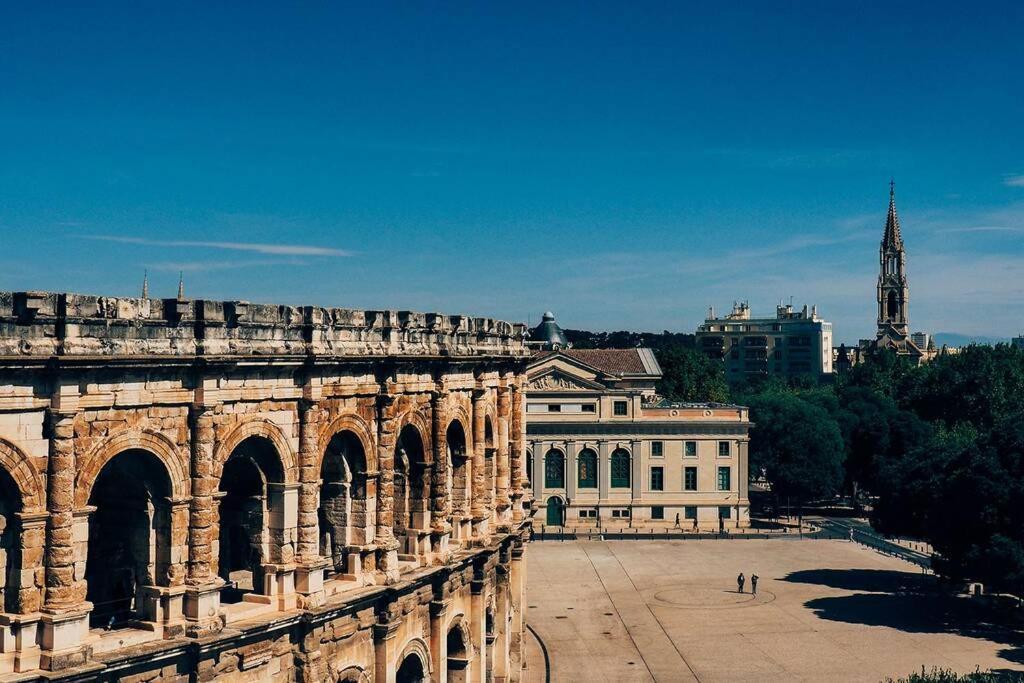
<point>794,342</point>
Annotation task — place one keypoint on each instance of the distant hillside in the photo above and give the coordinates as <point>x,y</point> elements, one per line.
<point>583,339</point>
<point>957,339</point>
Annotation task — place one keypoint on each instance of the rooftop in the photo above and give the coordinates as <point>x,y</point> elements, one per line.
<point>638,361</point>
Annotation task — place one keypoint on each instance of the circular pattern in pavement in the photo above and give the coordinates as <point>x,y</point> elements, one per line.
<point>702,597</point>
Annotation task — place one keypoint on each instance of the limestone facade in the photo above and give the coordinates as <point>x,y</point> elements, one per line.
<point>200,490</point>
<point>605,451</point>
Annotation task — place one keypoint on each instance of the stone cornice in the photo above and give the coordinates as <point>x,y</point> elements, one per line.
<point>36,325</point>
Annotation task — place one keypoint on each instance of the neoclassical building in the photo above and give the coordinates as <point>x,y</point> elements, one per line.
<point>197,490</point>
<point>604,449</point>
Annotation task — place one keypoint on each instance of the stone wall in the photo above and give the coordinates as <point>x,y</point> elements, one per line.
<point>187,441</point>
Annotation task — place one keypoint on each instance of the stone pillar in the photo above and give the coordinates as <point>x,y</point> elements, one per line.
<point>439,638</point>
<point>65,618</point>
<point>202,596</point>
<point>387,544</point>
<point>441,501</point>
<point>32,576</point>
<point>478,627</point>
<point>309,574</point>
<point>517,464</point>
<point>19,631</point>
<point>604,470</point>
<point>503,484</point>
<point>540,448</point>
<point>279,574</point>
<point>385,649</point>
<point>571,471</point>
<point>478,509</point>
<point>517,584</point>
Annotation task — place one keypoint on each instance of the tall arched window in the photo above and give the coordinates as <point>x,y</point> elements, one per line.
<point>893,306</point>
<point>587,469</point>
<point>620,469</point>
<point>554,470</point>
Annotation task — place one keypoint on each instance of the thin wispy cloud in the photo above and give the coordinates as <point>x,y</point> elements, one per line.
<point>1014,181</point>
<point>257,247</point>
<point>201,266</point>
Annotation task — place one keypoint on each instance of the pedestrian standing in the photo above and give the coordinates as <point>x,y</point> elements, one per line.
<point>753,584</point>
<point>695,524</point>
<point>740,580</point>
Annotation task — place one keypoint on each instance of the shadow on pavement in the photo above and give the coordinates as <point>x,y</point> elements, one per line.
<point>912,603</point>
<point>871,580</point>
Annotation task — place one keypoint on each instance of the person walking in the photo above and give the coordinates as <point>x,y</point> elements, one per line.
<point>753,584</point>
<point>677,520</point>
<point>740,580</point>
<point>695,528</point>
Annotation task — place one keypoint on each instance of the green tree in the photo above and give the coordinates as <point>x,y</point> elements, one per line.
<point>689,375</point>
<point>796,445</point>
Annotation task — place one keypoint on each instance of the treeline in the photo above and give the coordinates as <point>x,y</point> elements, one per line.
<point>623,339</point>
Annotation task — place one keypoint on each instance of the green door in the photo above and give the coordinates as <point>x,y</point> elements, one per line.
<point>554,511</point>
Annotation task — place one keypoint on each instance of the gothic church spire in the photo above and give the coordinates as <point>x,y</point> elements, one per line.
<point>892,237</point>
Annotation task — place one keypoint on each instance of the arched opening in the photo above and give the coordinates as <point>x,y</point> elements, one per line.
<point>412,490</point>
<point>246,505</point>
<point>587,469</point>
<point>555,515</point>
<point>458,654</point>
<point>554,470</point>
<point>343,512</point>
<point>129,543</point>
<point>10,546</point>
<point>490,461</point>
<point>411,670</point>
<point>489,637</point>
<point>892,307</point>
<point>620,478</point>
<point>460,471</point>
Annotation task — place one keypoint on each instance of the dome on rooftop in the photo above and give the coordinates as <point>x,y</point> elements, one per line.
<point>549,333</point>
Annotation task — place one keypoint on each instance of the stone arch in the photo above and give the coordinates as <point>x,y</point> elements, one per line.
<point>459,649</point>
<point>461,415</point>
<point>415,418</point>
<point>352,674</point>
<point>14,461</point>
<point>459,621</point>
<point>352,423</point>
<point>153,442</point>
<point>262,428</point>
<point>416,647</point>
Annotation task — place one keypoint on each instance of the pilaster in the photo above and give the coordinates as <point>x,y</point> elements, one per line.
<point>441,501</point>
<point>387,544</point>
<point>478,509</point>
<point>65,614</point>
<point>309,574</point>
<point>202,596</point>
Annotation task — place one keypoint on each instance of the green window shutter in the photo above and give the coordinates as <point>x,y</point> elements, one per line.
<point>620,469</point>
<point>554,470</point>
<point>587,469</point>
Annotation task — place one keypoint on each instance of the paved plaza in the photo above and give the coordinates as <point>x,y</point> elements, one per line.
<point>669,611</point>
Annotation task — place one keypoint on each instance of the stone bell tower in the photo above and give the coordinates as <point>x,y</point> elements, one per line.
<point>893,292</point>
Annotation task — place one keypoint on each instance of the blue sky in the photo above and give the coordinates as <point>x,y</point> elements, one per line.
<point>623,164</point>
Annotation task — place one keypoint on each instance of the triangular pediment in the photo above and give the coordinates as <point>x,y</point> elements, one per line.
<point>556,380</point>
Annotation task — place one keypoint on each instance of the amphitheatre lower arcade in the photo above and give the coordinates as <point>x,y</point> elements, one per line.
<point>201,490</point>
